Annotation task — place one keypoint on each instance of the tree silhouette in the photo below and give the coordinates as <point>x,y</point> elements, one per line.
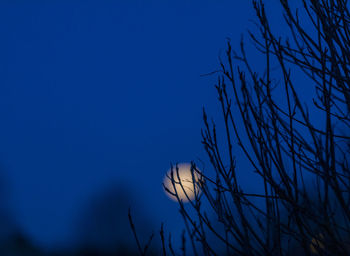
<point>102,228</point>
<point>298,145</point>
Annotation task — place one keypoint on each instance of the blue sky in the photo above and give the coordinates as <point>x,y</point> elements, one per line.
<point>95,94</point>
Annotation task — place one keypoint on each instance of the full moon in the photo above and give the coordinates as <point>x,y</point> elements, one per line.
<point>190,184</point>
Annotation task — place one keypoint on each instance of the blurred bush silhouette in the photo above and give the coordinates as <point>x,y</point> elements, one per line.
<point>13,242</point>
<point>103,227</point>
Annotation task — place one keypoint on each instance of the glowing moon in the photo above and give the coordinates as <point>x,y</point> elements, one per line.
<point>190,184</point>
<point>317,245</point>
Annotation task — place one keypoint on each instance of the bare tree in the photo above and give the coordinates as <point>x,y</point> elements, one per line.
<point>298,146</point>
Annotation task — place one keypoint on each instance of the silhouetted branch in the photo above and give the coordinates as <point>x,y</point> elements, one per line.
<point>298,146</point>
<point>144,250</point>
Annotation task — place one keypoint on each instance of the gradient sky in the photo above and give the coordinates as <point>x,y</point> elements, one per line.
<point>102,93</point>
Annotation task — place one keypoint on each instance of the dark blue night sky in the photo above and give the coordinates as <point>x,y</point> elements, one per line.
<point>96,94</point>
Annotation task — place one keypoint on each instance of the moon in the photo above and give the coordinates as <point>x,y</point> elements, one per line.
<point>190,184</point>
<point>316,244</point>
